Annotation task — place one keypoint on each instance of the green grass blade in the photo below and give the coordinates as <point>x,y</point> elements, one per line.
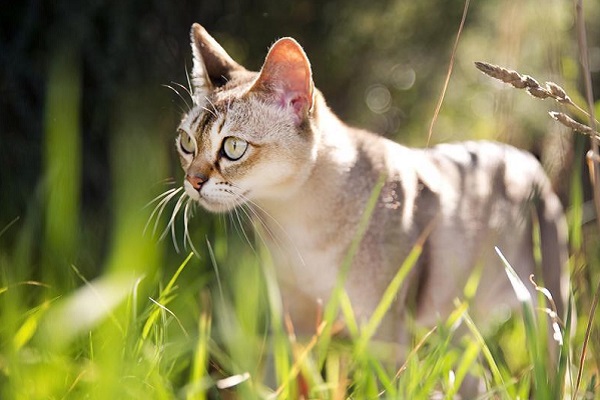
<point>538,355</point>
<point>565,351</point>
<point>30,325</point>
<point>348,312</point>
<point>468,359</point>
<point>173,279</point>
<point>163,299</point>
<point>199,371</point>
<point>332,307</point>
<point>489,358</point>
<point>388,297</point>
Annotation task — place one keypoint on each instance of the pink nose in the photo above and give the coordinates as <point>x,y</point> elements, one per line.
<point>197,180</point>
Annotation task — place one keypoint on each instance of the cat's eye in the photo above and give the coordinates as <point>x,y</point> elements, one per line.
<point>186,142</point>
<point>234,148</point>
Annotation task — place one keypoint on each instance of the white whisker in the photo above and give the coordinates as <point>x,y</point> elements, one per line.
<point>216,112</point>
<point>185,89</point>
<point>186,233</point>
<point>241,230</point>
<point>259,225</point>
<point>210,111</point>
<point>258,217</point>
<point>183,202</point>
<point>172,221</point>
<point>167,181</point>
<point>160,196</point>
<point>181,97</point>
<point>244,208</point>
<point>160,207</point>
<point>173,238</point>
<point>191,89</point>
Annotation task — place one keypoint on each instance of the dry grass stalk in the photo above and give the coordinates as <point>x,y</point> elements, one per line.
<point>438,107</point>
<point>571,123</point>
<point>519,81</point>
<point>550,90</point>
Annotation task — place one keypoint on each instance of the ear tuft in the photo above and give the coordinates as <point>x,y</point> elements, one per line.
<point>286,78</point>
<point>211,64</point>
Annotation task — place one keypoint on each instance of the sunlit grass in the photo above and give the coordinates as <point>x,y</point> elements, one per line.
<point>105,340</point>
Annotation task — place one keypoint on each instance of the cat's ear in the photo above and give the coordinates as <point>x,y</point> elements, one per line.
<point>286,78</point>
<point>212,65</point>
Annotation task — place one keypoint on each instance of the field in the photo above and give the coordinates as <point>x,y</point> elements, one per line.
<point>100,299</point>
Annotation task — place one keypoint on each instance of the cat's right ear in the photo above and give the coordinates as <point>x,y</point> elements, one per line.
<point>286,78</point>
<point>212,66</point>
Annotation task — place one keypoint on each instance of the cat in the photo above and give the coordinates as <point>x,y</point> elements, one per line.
<point>268,140</point>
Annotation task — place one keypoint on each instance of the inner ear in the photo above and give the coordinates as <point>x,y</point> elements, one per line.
<point>286,78</point>
<point>212,65</point>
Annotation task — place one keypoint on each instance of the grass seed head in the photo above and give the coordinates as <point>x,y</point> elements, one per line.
<point>571,123</point>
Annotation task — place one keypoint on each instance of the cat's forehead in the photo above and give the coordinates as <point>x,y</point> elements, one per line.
<point>192,119</point>
<point>213,120</point>
<point>200,117</point>
<point>212,105</point>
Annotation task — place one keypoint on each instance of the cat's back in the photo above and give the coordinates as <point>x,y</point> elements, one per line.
<point>483,168</point>
<point>468,187</point>
<point>470,169</point>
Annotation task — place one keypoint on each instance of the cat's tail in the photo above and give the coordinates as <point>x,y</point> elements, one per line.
<point>554,248</point>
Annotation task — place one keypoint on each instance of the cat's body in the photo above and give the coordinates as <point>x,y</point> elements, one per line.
<point>269,140</point>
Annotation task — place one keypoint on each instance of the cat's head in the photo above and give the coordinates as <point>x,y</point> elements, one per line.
<point>249,135</point>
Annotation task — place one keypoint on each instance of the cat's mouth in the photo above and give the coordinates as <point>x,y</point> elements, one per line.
<point>215,200</point>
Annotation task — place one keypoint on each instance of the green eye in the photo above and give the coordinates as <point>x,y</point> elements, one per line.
<point>186,142</point>
<point>234,148</point>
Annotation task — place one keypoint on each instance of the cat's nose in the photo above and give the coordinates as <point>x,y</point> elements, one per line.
<point>197,180</point>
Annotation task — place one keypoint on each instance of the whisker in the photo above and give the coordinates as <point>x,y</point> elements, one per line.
<point>258,216</point>
<point>251,205</point>
<point>180,96</point>
<point>258,220</point>
<point>173,238</point>
<point>184,88</point>
<point>249,214</point>
<point>160,196</point>
<point>261,227</point>
<point>167,181</point>
<point>159,208</point>
<point>185,226</point>
<point>186,233</point>
<point>244,204</point>
<point>162,205</point>
<point>191,89</point>
<point>210,111</point>
<point>216,112</point>
<point>172,220</point>
<point>241,230</point>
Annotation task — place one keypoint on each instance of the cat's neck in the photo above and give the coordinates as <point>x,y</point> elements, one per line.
<point>336,152</point>
<point>348,164</point>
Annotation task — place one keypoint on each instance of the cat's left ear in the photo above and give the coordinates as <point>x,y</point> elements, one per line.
<point>286,78</point>
<point>212,65</point>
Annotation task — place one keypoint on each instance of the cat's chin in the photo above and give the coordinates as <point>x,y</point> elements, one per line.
<point>215,207</point>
